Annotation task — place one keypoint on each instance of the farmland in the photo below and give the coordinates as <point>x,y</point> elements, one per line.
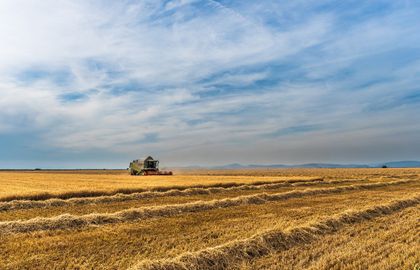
<point>218,219</point>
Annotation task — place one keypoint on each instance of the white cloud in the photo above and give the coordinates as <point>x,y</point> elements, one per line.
<point>148,67</point>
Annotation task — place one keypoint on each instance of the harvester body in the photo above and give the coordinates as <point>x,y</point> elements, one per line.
<point>146,166</point>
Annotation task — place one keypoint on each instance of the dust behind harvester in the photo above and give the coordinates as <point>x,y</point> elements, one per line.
<point>147,166</point>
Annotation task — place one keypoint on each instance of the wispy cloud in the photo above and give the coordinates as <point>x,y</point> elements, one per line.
<point>208,81</point>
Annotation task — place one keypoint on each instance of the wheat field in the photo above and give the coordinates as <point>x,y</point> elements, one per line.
<point>211,219</point>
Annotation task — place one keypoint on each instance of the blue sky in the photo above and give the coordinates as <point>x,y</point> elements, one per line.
<point>99,83</point>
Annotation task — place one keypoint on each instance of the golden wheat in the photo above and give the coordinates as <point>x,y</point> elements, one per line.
<point>389,242</point>
<point>352,219</point>
<point>71,221</point>
<point>163,192</point>
<point>259,245</point>
<point>45,185</point>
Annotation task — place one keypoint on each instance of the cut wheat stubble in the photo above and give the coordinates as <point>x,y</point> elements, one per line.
<point>192,191</point>
<point>229,254</point>
<point>68,221</point>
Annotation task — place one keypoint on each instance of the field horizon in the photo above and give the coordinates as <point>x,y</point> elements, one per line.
<point>388,164</point>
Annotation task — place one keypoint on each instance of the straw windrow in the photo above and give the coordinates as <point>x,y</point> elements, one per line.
<point>29,204</point>
<point>229,254</point>
<point>127,191</point>
<point>68,221</point>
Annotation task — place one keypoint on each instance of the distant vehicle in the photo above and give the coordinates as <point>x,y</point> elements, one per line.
<point>146,166</point>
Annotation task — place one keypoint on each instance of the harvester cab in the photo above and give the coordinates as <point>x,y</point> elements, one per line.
<point>146,166</point>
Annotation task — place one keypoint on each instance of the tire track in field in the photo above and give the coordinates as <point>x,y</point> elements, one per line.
<point>68,221</point>
<point>223,256</point>
<point>29,204</point>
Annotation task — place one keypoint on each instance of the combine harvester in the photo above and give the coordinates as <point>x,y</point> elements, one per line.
<point>147,166</point>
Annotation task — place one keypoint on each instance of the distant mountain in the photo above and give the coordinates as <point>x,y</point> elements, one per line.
<point>231,166</point>
<point>393,164</point>
<point>403,164</point>
<point>330,165</point>
<point>249,166</point>
<point>308,165</point>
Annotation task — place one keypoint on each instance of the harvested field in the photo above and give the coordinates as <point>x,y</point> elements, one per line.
<point>233,219</point>
<point>388,242</point>
<point>39,185</point>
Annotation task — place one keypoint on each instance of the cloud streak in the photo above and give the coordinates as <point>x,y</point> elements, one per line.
<point>207,82</point>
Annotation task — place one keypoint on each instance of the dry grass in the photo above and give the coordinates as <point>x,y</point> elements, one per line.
<point>389,242</point>
<point>66,184</point>
<point>71,222</point>
<point>120,245</point>
<point>228,255</point>
<point>180,191</point>
<point>99,206</point>
<point>311,172</point>
<point>135,194</point>
<point>182,223</point>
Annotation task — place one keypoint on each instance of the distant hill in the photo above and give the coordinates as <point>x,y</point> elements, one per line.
<point>330,165</point>
<point>403,164</point>
<point>393,164</point>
